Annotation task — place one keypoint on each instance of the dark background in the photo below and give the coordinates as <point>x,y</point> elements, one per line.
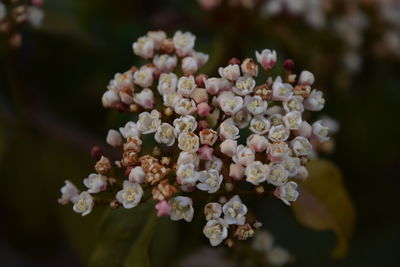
<point>51,115</point>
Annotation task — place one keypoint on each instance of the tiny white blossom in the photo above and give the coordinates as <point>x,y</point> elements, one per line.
<point>185,106</point>
<point>292,120</point>
<point>315,102</point>
<point>208,137</point>
<point>320,131</point>
<point>295,103</point>
<point>165,62</point>
<point>171,99</point>
<point>210,181</point>
<point>267,58</point>
<point>145,98</point>
<point>201,58</point>
<point>181,208</point>
<point>144,47</point>
<point>213,85</point>
<point>165,134</point>
<point>216,231</point>
<point>69,193</point>
<point>257,173</point>
<point>130,195</point>
<point>242,118</point>
<point>114,138</point>
<point>287,192</point>
<point>278,133</point>
<point>35,16</point>
<point>149,122</point>
<point>230,72</point>
<point>186,174</point>
<point>306,78</point>
<point>110,99</point>
<point>255,105</point>
<point>185,124</point>
<point>278,152</point>
<point>244,155</point>
<point>249,68</point>
<point>84,204</point>
<point>215,164</point>
<point>292,165</point>
<point>167,83</point>
<point>130,130</point>
<point>137,175</point>
<point>212,210</point>
<point>143,77</point>
<point>188,141</point>
<point>278,175</point>
<point>258,142</point>
<point>260,125</point>
<point>158,37</point>
<point>95,182</point>
<point>186,85</point>
<point>186,158</point>
<point>235,211</point>
<point>244,86</point>
<point>228,130</point>
<point>184,43</point>
<point>281,91</point>
<point>301,146</point>
<point>230,104</point>
<point>189,65</point>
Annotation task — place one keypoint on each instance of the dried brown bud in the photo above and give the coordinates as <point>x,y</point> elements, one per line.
<point>96,152</point>
<point>264,91</point>
<point>156,172</point>
<point>133,143</point>
<point>167,46</point>
<point>244,231</point>
<point>121,107</point>
<point>302,90</point>
<point>133,108</point>
<point>129,158</point>
<point>163,191</point>
<point>234,61</point>
<point>103,166</point>
<point>114,204</point>
<point>165,161</point>
<point>249,67</point>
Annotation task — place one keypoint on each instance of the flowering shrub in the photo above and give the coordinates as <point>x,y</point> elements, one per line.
<point>14,13</point>
<point>221,139</point>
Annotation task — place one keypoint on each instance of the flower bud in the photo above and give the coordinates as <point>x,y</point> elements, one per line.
<point>229,147</point>
<point>249,67</point>
<point>267,58</point>
<point>189,66</point>
<point>306,78</point>
<point>236,171</point>
<point>114,138</point>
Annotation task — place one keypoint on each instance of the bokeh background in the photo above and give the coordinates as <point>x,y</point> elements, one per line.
<point>51,115</point>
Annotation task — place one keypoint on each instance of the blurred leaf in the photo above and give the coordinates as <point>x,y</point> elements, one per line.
<point>323,203</point>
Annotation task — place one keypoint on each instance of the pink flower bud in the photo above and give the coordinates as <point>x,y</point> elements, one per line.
<point>236,171</point>
<point>203,109</point>
<point>114,138</point>
<point>229,147</point>
<point>206,152</point>
<point>306,78</point>
<point>267,58</point>
<point>163,208</point>
<point>231,72</point>
<point>199,95</point>
<point>145,98</point>
<point>110,99</point>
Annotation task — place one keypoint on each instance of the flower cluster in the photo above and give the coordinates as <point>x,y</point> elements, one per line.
<point>226,137</point>
<point>14,13</point>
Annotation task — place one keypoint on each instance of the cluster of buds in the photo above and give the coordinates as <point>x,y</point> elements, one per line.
<point>227,137</point>
<point>15,13</point>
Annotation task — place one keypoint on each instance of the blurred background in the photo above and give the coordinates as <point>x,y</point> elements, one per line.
<point>51,113</point>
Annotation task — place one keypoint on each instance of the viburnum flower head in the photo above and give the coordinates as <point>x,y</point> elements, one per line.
<point>194,137</point>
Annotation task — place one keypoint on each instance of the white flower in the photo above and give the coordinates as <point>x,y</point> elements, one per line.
<point>315,102</point>
<point>167,83</point>
<point>215,164</point>
<point>244,86</point>
<point>287,192</point>
<point>278,175</point>
<point>143,77</point>
<point>305,130</point>
<point>281,91</point>
<point>292,165</point>
<point>235,211</point>
<point>320,131</point>
<point>231,72</point>
<point>165,134</point>
<point>130,195</point>
<point>278,152</point>
<point>181,208</point>
<point>84,204</point>
<point>300,146</point>
<point>144,47</point>
<point>257,173</point>
<point>249,68</point>
<point>171,99</point>
<point>121,81</point>
<point>145,98</point>
<point>188,141</point>
<point>95,182</point>
<point>278,133</point>
<point>242,118</point>
<point>130,130</point>
<point>213,85</point>
<point>114,138</point>
<point>137,175</point>
<point>186,86</point>
<point>212,210</point>
<point>306,78</point>
<point>208,137</point>
<point>185,106</point>
<point>165,62</point>
<point>110,99</point>
<point>185,124</point>
<point>295,103</point>
<point>278,256</point>
<point>228,130</point>
<point>255,105</point>
<point>260,125</point>
<point>186,158</point>
<point>244,155</point>
<point>229,103</point>
<point>158,37</point>
<point>216,231</point>
<point>184,43</point>
<point>189,65</point>
<point>201,58</point>
<point>258,143</point>
<point>149,122</point>
<point>292,120</point>
<point>69,193</point>
<point>267,58</point>
<point>210,181</point>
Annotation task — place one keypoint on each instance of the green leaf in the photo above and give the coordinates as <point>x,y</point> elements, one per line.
<point>324,204</point>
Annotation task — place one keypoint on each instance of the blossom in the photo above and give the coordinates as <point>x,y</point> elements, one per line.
<point>186,157</point>
<point>242,118</point>
<point>167,83</point>
<point>130,195</point>
<point>278,152</point>
<point>236,171</point>
<point>201,58</point>
<point>181,208</point>
<point>200,95</point>
<point>249,68</point>
<point>255,105</point>
<point>143,77</point>
<point>301,146</point>
<point>130,130</point>
<point>235,211</point>
<point>244,155</point>
<point>260,125</point>
<point>210,181</point>
<point>213,85</point>
<point>183,42</point>
<point>186,174</point>
<point>205,152</point>
<point>84,204</point>
<point>69,193</point>
<point>158,37</point>
<point>320,132</point>
<point>267,58</point>
<point>203,109</point>
<point>186,86</point>
<point>188,141</point>
<point>216,231</point>
<point>137,175</point>
<point>185,123</point>
<point>231,72</point>
<point>165,134</point>
<point>230,104</point>
<point>96,183</point>
<point>294,103</point>
<point>257,172</point>
<point>315,102</point>
<point>228,130</point>
<point>257,142</point>
<point>287,192</point>
<point>185,106</point>
<point>292,120</point>
<point>114,138</point>
<point>165,62</point>
<point>208,137</point>
<point>215,163</point>
<point>278,175</point>
<point>212,211</point>
<point>278,133</point>
<point>144,47</point>
<point>281,91</point>
<point>110,99</point>
<point>292,165</point>
<point>171,99</point>
<point>306,78</point>
<point>163,208</point>
<point>149,122</point>
<point>189,65</point>
<point>145,98</point>
<point>244,86</point>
